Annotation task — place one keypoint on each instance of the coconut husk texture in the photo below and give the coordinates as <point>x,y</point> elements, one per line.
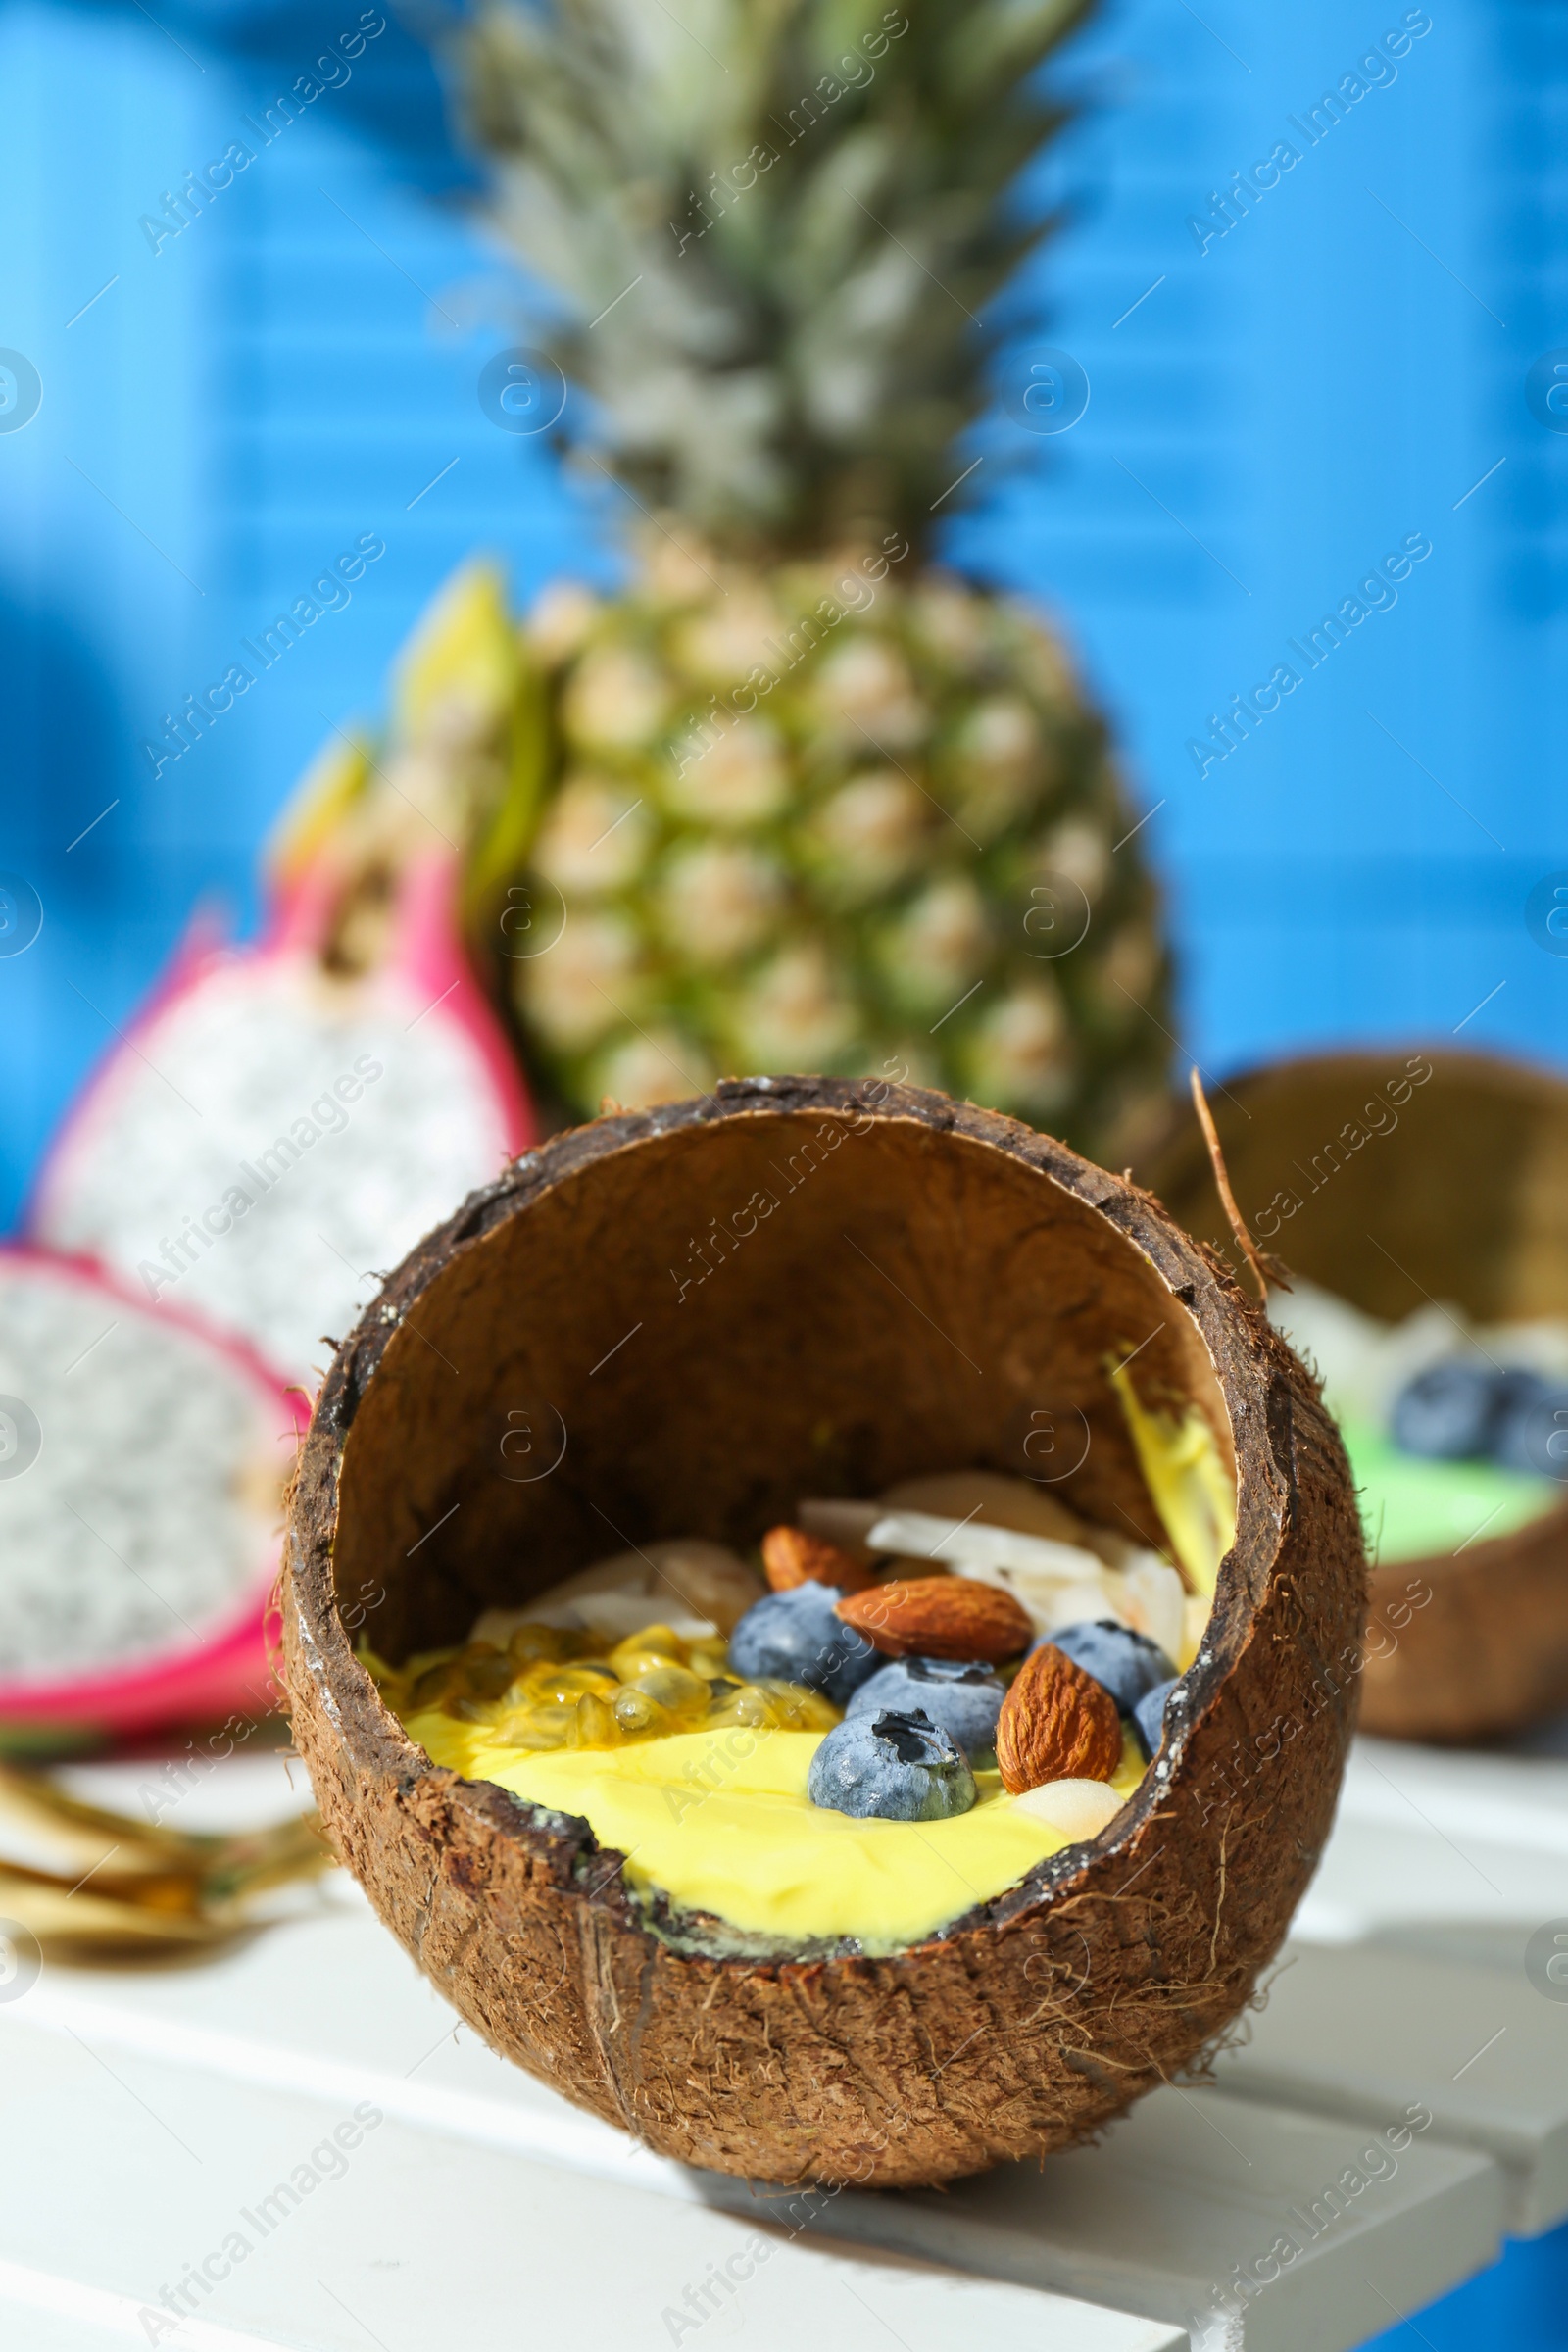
<point>1394,1179</point>
<point>929,1279</point>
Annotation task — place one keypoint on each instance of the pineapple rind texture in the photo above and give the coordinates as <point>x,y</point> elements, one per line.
<point>831,818</point>
<point>783,811</point>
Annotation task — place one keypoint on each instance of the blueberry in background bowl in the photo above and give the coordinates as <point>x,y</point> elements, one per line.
<point>1530,1432</point>
<point>1446,1412</point>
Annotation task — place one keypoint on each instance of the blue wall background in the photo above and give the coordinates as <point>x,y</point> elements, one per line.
<point>1267,417</point>
<point>1337,371</point>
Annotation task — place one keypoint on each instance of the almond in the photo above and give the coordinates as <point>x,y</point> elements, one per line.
<point>940,1617</point>
<point>1057,1724</point>
<point>793,1557</point>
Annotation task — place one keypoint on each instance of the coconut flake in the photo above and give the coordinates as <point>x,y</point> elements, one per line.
<point>1075,1604</point>
<point>847,1524</point>
<point>919,1536</point>
<point>1055,1584</point>
<point>1154,1601</point>
<point>683,1581</point>
<point>614,1614</point>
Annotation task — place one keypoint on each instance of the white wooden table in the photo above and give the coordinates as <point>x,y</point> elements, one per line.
<point>150,2113</point>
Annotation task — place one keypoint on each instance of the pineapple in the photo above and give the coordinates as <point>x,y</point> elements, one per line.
<point>803,799</point>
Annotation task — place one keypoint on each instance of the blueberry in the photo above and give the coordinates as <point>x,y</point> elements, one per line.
<point>1149,1717</point>
<point>1446,1413</point>
<point>962,1701</point>
<point>793,1637</point>
<point>1124,1663</point>
<point>894,1766</point>
<point>1530,1430</point>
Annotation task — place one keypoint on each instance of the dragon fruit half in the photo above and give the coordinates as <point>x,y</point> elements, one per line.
<point>142,1461</point>
<point>285,1119</point>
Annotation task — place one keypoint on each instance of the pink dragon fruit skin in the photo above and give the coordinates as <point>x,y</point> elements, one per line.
<point>277,1122</point>
<point>216,1079</point>
<point>430,958</point>
<point>124,1425</point>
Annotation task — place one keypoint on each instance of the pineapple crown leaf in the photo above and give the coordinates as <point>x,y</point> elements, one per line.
<point>771,232</point>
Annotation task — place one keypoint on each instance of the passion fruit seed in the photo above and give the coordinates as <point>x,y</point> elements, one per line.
<point>562,1685</point>
<point>655,1645</point>
<point>674,1688</point>
<point>636,1712</point>
<point>593,1723</point>
<point>556,1688</point>
<point>545,1690</point>
<point>541,1645</point>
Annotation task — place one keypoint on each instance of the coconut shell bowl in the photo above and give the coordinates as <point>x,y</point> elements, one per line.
<point>1393,1190</point>
<point>932,1279</point>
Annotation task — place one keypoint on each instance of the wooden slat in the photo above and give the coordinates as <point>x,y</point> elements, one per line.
<point>1406,1980</point>
<point>1365,2033</point>
<point>1153,2221</point>
<point>1478,1799</point>
<point>1428,1838</point>
<point>127,2171</point>
<point>1190,2194</point>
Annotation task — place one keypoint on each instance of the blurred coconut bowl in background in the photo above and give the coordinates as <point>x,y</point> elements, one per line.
<point>1419,1202</point>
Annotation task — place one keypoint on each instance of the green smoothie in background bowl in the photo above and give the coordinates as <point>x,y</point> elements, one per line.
<point>1454,1431</point>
